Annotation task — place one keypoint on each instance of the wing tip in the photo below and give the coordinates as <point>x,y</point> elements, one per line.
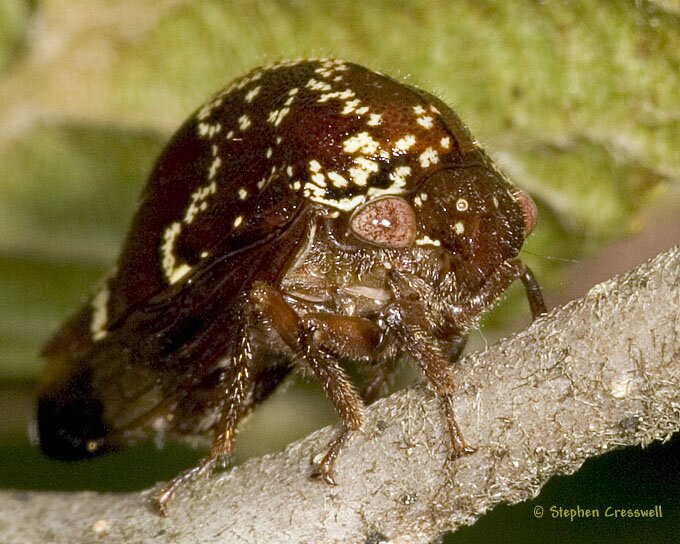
<point>71,422</point>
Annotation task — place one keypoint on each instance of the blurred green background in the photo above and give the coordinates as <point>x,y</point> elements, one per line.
<point>579,102</point>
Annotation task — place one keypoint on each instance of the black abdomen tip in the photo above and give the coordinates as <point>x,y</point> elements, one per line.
<point>70,422</point>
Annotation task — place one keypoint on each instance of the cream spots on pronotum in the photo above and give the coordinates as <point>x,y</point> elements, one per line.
<point>99,320</point>
<point>399,175</point>
<point>374,120</point>
<point>276,116</point>
<point>319,179</point>
<point>459,228</point>
<point>244,122</point>
<point>427,241</point>
<point>428,157</point>
<point>362,142</point>
<point>350,106</point>
<point>340,183</point>
<point>362,169</point>
<point>425,121</point>
<point>316,85</point>
<point>252,93</point>
<point>198,201</point>
<point>208,130</point>
<point>216,163</point>
<point>337,180</point>
<point>342,95</point>
<point>405,143</point>
<point>208,108</point>
<point>173,271</point>
<point>346,204</point>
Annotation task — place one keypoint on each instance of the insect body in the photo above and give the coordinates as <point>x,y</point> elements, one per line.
<point>312,211</point>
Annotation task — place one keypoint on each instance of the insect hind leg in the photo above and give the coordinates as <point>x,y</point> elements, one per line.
<point>235,387</point>
<point>161,498</point>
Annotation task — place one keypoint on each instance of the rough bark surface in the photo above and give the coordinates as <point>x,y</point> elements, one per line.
<point>599,373</point>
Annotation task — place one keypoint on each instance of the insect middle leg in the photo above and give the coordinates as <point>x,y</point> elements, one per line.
<point>319,340</point>
<point>407,317</point>
<point>378,377</point>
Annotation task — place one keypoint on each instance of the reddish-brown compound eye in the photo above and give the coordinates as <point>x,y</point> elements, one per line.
<point>388,222</point>
<point>529,211</point>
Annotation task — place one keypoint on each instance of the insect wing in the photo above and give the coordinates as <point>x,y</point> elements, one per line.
<point>165,349</point>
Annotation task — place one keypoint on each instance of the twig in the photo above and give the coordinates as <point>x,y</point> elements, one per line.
<point>600,373</point>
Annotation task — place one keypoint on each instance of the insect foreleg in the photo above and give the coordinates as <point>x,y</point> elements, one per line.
<point>534,294</point>
<point>407,318</point>
<point>319,340</point>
